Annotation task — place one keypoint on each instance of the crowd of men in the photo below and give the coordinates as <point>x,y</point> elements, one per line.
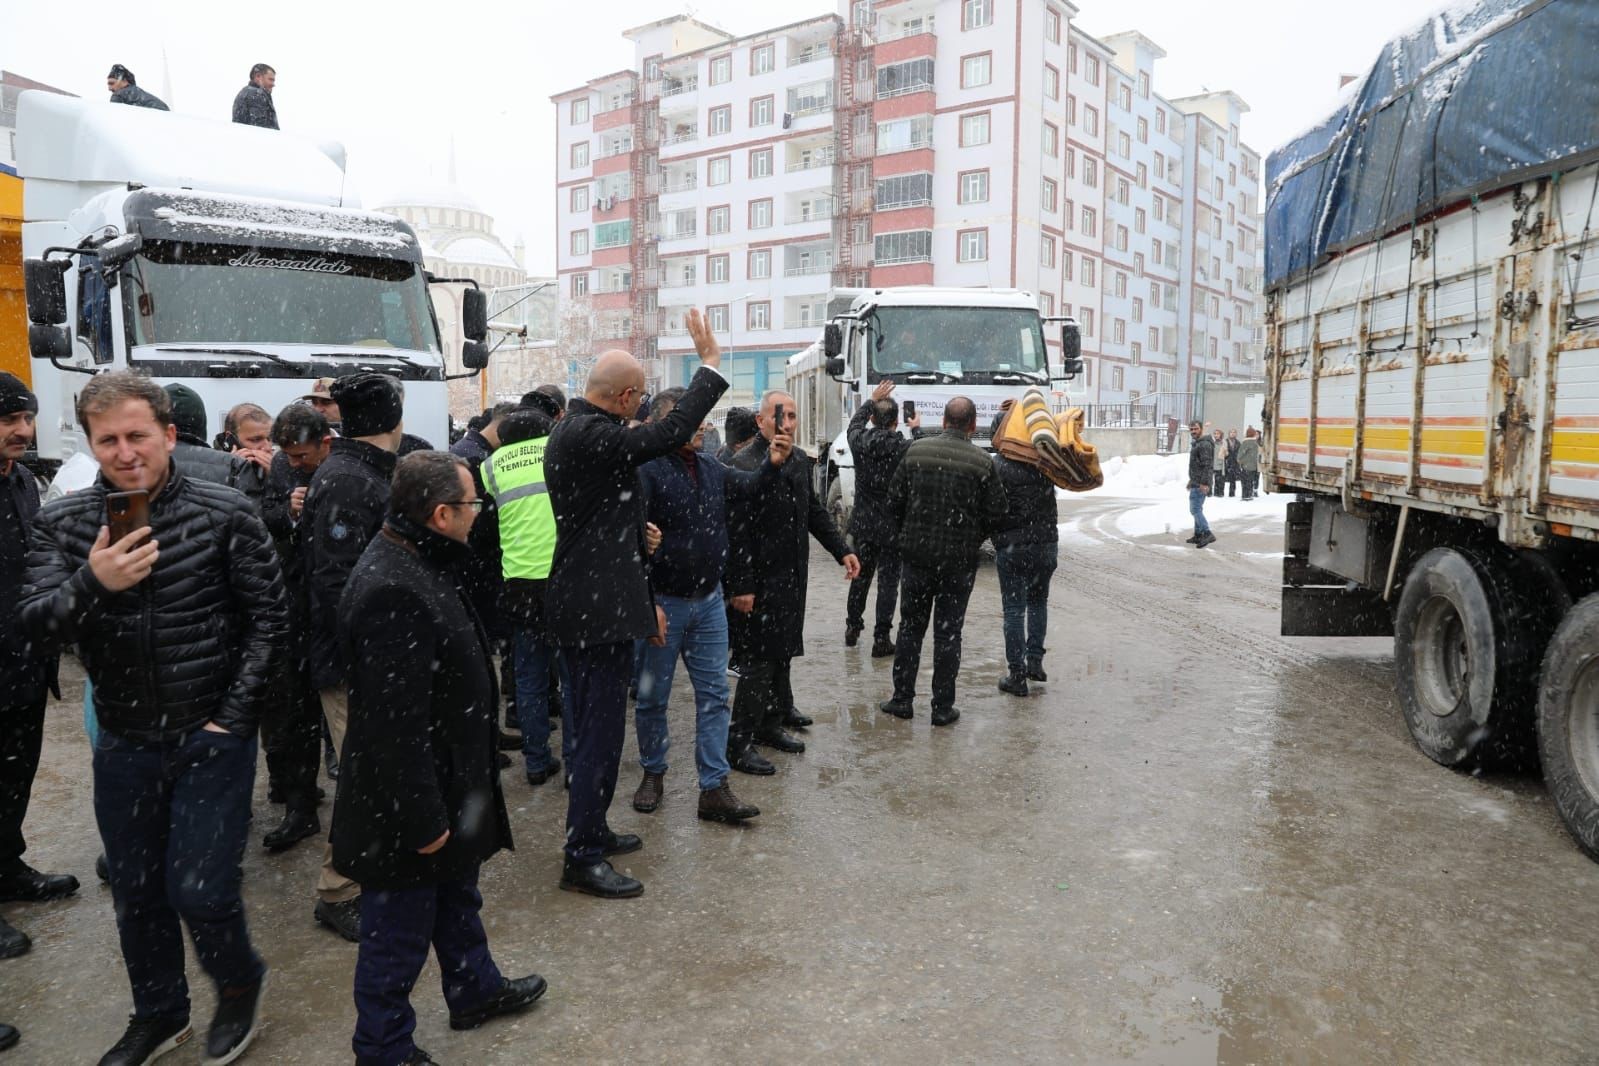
<point>323,577</point>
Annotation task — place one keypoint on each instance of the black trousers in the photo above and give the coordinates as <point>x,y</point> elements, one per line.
<point>291,734</point>
<point>939,596</point>
<point>1218,481</point>
<point>1251,483</point>
<point>599,675</point>
<point>881,560</point>
<point>763,697</point>
<point>21,738</point>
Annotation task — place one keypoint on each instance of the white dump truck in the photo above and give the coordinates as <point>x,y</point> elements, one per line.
<point>933,343</point>
<point>1433,329</point>
<point>228,258</point>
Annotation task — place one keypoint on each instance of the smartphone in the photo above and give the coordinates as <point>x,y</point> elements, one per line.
<point>126,512</point>
<point>778,424</point>
<point>910,410</point>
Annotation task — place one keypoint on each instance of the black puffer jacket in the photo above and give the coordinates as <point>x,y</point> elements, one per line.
<point>196,641</point>
<point>1033,518</point>
<point>23,673</point>
<point>877,453</point>
<point>206,463</point>
<point>253,106</point>
<point>344,509</point>
<point>137,97</point>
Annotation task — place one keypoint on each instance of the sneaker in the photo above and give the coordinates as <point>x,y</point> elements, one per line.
<point>234,1024</point>
<point>343,918</point>
<point>147,1039</point>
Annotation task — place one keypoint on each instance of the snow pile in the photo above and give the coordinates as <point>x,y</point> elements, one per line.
<point>1140,477</point>
<point>1231,514</point>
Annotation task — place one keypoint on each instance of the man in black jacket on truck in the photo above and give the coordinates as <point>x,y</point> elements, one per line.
<point>179,624</point>
<point>877,446</point>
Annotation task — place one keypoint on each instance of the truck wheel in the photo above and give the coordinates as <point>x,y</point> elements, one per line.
<point>1568,723</point>
<point>1466,652</point>
<point>836,508</point>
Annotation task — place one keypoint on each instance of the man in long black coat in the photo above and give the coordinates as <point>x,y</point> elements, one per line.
<point>598,600</point>
<point>767,570</point>
<point>877,446</point>
<point>419,806</point>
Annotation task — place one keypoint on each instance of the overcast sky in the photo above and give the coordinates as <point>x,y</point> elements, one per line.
<point>396,80</point>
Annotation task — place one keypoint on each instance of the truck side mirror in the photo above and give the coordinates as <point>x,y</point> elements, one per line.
<point>1071,349</point>
<point>475,318</point>
<point>474,354</point>
<point>835,367</point>
<point>45,282</point>
<point>48,341</point>
<point>832,342</point>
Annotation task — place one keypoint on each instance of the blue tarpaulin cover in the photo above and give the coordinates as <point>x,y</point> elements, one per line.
<point>1482,95</point>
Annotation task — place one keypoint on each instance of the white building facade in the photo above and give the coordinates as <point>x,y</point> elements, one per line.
<point>949,142</point>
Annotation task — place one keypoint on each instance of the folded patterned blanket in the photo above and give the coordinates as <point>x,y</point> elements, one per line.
<point>1029,433</point>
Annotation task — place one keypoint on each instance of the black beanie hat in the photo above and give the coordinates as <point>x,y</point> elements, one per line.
<point>369,403</point>
<point>188,411</point>
<point>15,396</point>
<point>120,71</point>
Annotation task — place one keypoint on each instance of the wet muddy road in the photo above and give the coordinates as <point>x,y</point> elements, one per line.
<point>1198,843</point>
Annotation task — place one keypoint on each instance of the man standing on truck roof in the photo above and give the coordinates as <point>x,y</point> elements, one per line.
<point>253,106</point>
<point>125,90</point>
<point>1201,472</point>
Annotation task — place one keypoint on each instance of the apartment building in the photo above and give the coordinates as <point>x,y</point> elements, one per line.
<point>902,142</point>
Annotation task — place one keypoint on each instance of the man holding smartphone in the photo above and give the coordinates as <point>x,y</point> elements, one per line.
<point>179,624</point>
<point>877,446</point>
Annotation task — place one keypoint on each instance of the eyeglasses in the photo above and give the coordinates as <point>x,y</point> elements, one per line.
<point>476,505</point>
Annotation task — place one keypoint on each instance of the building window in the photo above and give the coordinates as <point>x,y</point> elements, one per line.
<point>1124,96</point>
<point>580,242</point>
<point>976,13</point>
<point>905,134</point>
<point>974,129</point>
<point>1046,303</point>
<point>1140,220</point>
<point>1093,70</point>
<point>1071,109</point>
<point>760,214</point>
<point>1087,275</point>
<point>721,119</point>
<point>1069,214</point>
<point>903,190</point>
<point>613,234</point>
<point>580,198</point>
<point>977,70</point>
<point>580,112</point>
<point>761,109</point>
<point>1052,25</point>
<point>1051,82</point>
<point>719,171</point>
<point>761,163</point>
<point>760,264</point>
<point>1048,194</point>
<point>911,76</point>
<point>580,284</point>
<point>972,246</point>
<point>717,269</point>
<point>1116,379</point>
<point>973,187</point>
<point>763,59</point>
<point>1124,145</point>
<point>1091,120</point>
<point>1071,58</point>
<point>759,315</point>
<point>1046,252</point>
<point>1088,312</point>
<point>1091,172</point>
<point>1138,309</point>
<point>1051,140</point>
<point>911,246</point>
<point>1066,273</point>
<point>718,220</point>
<point>716,317</point>
<point>1071,162</point>
<point>580,154</point>
<point>1119,285</point>
<point>721,70</point>
<point>1143,176</point>
<point>1118,331</point>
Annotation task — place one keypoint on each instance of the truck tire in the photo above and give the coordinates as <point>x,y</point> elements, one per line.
<point>835,506</point>
<point>1466,650</point>
<point>1568,723</point>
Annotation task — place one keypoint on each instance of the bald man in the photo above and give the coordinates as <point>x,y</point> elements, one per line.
<point>598,600</point>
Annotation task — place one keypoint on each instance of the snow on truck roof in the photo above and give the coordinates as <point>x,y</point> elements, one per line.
<point>183,214</point>
<point>947,296</point>
<point>63,138</point>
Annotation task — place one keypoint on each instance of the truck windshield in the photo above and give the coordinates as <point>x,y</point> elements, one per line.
<point>178,293</point>
<point>966,343</point>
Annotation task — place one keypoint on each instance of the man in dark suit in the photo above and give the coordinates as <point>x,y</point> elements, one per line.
<point>767,573</point>
<point>419,808</point>
<point>598,600</point>
<point>877,446</point>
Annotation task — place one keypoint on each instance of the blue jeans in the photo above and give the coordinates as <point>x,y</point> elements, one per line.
<point>1024,574</point>
<point>1196,507</point>
<point>173,816</point>
<point>697,630</point>
<point>397,927</point>
<point>532,663</point>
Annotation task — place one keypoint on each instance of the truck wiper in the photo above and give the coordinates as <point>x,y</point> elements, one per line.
<point>231,351</point>
<point>937,377</point>
<point>1014,377</point>
<point>349,355</point>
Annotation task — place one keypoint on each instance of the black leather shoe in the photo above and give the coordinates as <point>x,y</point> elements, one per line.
<point>746,760</point>
<point>538,778</point>
<point>509,741</point>
<point>8,1036</point>
<point>882,649</point>
<point>623,844</point>
<point>25,884</point>
<point>852,636</point>
<point>102,869</point>
<point>599,879</point>
<point>778,740</point>
<point>13,941</point>
<point>234,1024</point>
<point>343,918</point>
<point>295,827</point>
<point>1014,684</point>
<point>946,717</point>
<point>1035,671</point>
<point>795,720</point>
<point>897,708</point>
<point>147,1039</point>
<point>512,996</point>
<point>418,1057</point>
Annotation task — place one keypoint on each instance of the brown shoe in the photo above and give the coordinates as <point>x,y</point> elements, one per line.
<point>720,805</point>
<point>648,796</point>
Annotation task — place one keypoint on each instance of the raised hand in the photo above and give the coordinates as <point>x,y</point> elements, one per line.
<point>699,328</point>
<point>884,390</point>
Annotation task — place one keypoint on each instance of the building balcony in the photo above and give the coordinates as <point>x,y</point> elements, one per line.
<point>922,257</point>
<point>820,212</point>
<point>816,53</point>
<point>820,264</point>
<point>813,162</point>
<point>680,184</point>
<point>681,136</point>
<point>812,106</point>
<point>679,233</point>
<point>678,88</point>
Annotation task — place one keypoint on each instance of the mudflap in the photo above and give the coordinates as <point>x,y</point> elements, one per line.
<point>1335,611</point>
